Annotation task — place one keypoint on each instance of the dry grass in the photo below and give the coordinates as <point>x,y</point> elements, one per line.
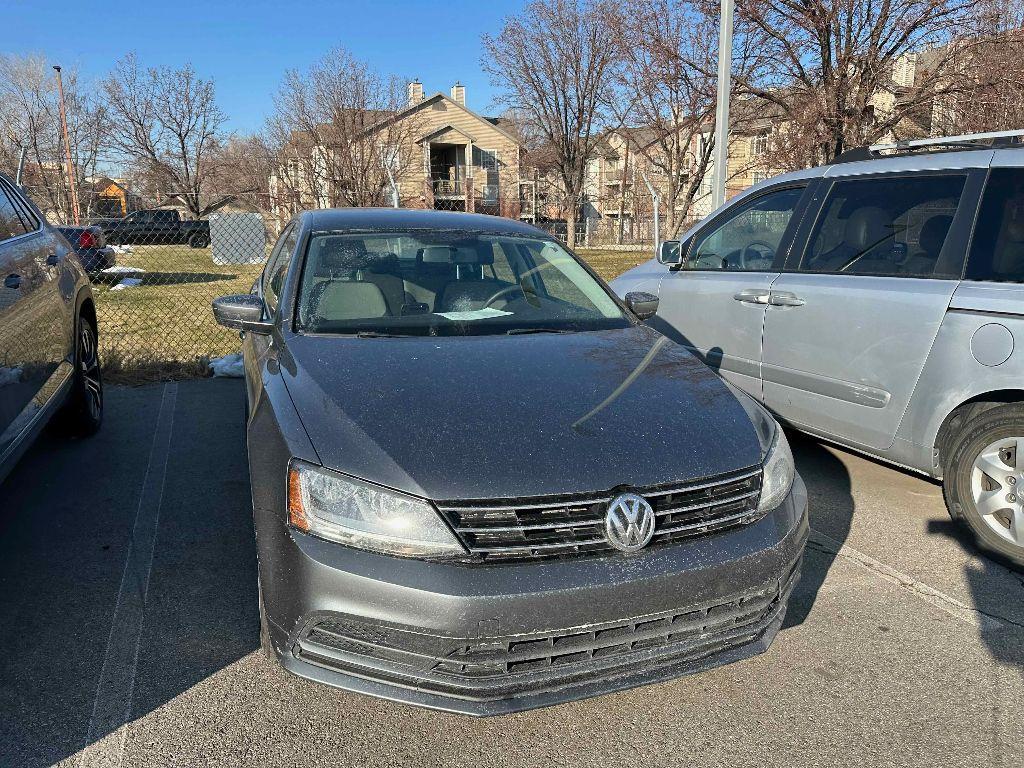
<point>164,328</point>
<point>609,264</point>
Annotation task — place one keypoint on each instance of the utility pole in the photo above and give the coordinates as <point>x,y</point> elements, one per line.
<point>721,161</point>
<point>656,202</point>
<point>21,166</point>
<point>72,185</point>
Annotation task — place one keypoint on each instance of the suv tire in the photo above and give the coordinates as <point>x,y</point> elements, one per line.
<point>198,241</point>
<point>984,481</point>
<point>82,414</point>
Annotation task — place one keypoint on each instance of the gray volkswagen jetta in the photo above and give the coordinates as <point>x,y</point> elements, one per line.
<point>481,484</point>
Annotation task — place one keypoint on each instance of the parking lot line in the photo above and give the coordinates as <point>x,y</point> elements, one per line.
<point>919,589</point>
<point>104,745</point>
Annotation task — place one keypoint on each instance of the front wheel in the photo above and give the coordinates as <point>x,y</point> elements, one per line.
<point>198,241</point>
<point>83,412</point>
<point>984,483</point>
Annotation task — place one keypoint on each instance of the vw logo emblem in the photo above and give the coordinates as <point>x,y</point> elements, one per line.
<point>629,523</point>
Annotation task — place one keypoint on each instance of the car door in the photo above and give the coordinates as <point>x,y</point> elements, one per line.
<point>714,302</point>
<point>30,323</point>
<point>852,319</point>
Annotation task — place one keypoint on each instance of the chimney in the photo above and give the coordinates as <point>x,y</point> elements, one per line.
<point>415,92</point>
<point>459,93</point>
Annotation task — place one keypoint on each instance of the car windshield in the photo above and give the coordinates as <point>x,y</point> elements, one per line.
<point>442,282</point>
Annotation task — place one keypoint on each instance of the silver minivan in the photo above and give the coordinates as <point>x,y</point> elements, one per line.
<point>877,302</point>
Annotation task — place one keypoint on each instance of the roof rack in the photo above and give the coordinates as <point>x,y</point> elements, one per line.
<point>938,144</point>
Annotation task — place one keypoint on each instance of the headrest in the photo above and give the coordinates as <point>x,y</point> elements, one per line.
<point>338,254</point>
<point>933,234</point>
<point>867,227</point>
<point>466,255</point>
<point>350,300</point>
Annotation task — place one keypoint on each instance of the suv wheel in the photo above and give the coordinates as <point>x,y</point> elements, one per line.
<point>984,483</point>
<point>198,241</point>
<point>83,412</point>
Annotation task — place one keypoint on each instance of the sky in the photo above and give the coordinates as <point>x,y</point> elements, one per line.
<point>246,47</point>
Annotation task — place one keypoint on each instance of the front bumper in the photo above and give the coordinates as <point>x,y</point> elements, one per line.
<point>486,640</point>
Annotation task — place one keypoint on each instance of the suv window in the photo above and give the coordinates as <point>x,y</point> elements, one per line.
<point>10,223</point>
<point>894,227</point>
<point>277,268</point>
<point>997,252</point>
<point>748,239</point>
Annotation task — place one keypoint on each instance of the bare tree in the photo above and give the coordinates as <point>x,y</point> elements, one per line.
<point>826,68</point>
<point>552,63</point>
<point>990,96</point>
<point>336,135</point>
<point>30,120</point>
<point>166,122</point>
<point>665,83</point>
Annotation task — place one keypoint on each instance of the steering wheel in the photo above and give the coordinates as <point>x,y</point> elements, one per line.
<point>767,252</point>
<point>502,292</point>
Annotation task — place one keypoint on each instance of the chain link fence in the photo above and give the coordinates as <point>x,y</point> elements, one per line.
<point>155,269</point>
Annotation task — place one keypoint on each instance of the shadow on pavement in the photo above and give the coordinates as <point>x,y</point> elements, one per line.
<point>1004,638</point>
<point>830,507</point>
<point>66,518</point>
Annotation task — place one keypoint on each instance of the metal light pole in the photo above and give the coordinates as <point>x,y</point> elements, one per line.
<point>72,185</point>
<point>721,160</point>
<point>656,201</point>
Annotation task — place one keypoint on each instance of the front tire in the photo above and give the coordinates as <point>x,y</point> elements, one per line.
<point>83,412</point>
<point>984,479</point>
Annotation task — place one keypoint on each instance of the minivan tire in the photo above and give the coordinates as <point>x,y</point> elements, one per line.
<point>980,431</point>
<point>82,414</point>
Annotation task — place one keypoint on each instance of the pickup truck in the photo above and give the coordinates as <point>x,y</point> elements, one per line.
<point>155,227</point>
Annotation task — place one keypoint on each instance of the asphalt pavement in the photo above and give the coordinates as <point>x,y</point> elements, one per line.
<point>129,630</point>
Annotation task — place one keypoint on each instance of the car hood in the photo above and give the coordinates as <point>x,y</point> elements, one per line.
<point>485,417</point>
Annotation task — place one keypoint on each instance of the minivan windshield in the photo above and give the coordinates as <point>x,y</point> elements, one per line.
<point>447,282</point>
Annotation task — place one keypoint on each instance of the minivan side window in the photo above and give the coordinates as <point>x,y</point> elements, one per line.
<point>748,239</point>
<point>997,251</point>
<point>887,227</point>
<point>277,268</point>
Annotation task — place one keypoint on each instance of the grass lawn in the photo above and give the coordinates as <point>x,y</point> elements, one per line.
<point>609,264</point>
<point>165,328</point>
<point>166,323</point>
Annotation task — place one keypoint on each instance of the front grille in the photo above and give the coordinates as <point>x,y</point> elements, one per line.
<point>488,668</point>
<point>571,526</point>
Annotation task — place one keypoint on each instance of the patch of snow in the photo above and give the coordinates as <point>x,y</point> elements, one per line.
<point>123,270</point>
<point>122,248</point>
<point>229,366</point>
<point>128,282</point>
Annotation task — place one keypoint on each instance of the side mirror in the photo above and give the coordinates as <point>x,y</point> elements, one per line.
<point>670,252</point>
<point>643,304</point>
<point>243,312</point>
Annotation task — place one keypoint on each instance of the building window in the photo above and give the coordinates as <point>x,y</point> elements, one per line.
<point>759,176</point>
<point>486,159</point>
<point>759,144</point>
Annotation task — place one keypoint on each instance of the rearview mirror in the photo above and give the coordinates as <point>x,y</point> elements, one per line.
<point>242,311</point>
<point>670,252</point>
<point>643,304</point>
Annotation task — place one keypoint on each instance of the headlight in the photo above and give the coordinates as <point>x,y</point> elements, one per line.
<point>778,474</point>
<point>349,511</point>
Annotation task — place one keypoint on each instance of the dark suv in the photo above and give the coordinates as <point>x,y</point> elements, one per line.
<point>49,361</point>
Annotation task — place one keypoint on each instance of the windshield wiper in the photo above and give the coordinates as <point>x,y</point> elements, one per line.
<point>517,331</point>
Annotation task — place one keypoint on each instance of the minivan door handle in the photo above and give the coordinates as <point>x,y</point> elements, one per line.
<point>12,281</point>
<point>752,296</point>
<point>785,299</point>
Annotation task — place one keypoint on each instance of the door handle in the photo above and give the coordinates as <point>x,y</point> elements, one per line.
<point>752,296</point>
<point>12,281</point>
<point>785,299</point>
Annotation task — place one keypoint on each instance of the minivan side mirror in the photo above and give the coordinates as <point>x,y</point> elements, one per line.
<point>243,312</point>
<point>643,304</point>
<point>671,253</point>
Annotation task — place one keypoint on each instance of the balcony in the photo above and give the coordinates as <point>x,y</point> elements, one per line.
<point>448,188</point>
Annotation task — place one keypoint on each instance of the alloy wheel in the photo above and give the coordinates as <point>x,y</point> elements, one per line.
<point>89,369</point>
<point>997,488</point>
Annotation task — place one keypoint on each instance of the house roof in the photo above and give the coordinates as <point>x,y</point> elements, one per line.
<point>444,129</point>
<point>495,122</point>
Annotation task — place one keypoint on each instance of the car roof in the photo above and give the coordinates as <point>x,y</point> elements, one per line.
<point>392,219</point>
